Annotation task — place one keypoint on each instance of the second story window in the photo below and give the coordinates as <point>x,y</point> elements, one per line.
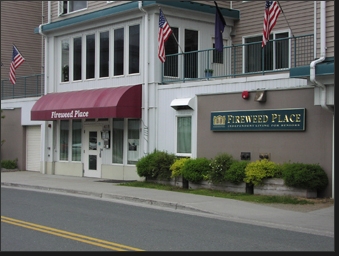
<point>100,54</point>
<point>90,56</point>
<point>104,54</point>
<point>134,49</point>
<point>118,52</point>
<point>65,60</point>
<point>274,56</point>
<point>171,47</point>
<point>77,60</point>
<point>71,6</point>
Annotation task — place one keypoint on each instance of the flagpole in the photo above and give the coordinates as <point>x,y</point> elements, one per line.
<point>172,32</point>
<point>285,18</point>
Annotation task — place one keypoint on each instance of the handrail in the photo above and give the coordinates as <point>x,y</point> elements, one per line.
<point>279,55</point>
<point>25,86</point>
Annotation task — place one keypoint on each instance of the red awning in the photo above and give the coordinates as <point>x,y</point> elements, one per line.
<point>119,102</point>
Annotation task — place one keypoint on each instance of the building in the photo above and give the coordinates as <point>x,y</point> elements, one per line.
<point>21,136</point>
<point>109,100</point>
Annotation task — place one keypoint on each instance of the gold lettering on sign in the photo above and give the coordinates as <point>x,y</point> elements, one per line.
<point>286,118</point>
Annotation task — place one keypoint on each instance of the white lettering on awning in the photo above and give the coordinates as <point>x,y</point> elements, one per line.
<point>71,114</point>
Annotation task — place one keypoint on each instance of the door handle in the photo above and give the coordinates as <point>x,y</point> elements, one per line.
<point>100,152</point>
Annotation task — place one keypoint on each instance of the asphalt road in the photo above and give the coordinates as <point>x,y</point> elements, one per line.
<point>39,221</point>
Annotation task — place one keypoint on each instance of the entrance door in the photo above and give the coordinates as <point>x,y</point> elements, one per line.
<point>93,146</point>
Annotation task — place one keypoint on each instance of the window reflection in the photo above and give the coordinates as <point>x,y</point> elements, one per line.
<point>92,140</point>
<point>92,162</point>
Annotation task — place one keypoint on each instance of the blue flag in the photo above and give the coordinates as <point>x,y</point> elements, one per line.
<point>220,24</point>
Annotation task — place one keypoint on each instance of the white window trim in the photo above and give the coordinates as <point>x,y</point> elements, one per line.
<point>176,136</point>
<point>61,8</point>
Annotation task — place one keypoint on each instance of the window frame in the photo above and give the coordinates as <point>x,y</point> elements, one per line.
<point>183,154</point>
<point>62,10</point>
<point>274,52</point>
<point>119,59</point>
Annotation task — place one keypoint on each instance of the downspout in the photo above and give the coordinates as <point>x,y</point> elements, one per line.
<point>322,56</point>
<point>49,12</point>
<point>44,125</point>
<point>145,117</point>
<point>312,73</point>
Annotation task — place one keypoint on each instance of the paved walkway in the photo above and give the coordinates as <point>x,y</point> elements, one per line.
<point>319,222</point>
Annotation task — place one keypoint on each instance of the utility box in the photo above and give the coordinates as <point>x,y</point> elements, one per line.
<point>264,156</point>
<point>245,156</point>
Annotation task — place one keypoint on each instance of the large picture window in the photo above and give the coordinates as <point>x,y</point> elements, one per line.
<point>65,60</point>
<point>77,58</point>
<point>133,141</point>
<point>90,56</point>
<point>118,140</point>
<point>275,55</point>
<point>118,52</point>
<point>134,49</point>
<point>100,54</point>
<point>104,54</point>
<point>76,140</point>
<point>64,136</point>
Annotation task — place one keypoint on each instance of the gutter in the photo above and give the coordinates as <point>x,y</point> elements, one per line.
<point>322,57</point>
<point>145,76</point>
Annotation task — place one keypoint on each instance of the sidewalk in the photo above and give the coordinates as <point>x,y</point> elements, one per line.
<point>318,222</point>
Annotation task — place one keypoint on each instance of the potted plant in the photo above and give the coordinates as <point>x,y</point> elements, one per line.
<point>208,72</point>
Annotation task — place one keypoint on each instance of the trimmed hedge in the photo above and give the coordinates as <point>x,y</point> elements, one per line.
<point>156,165</point>
<point>306,176</point>
<point>219,167</point>
<point>162,165</point>
<point>196,170</point>
<point>236,172</point>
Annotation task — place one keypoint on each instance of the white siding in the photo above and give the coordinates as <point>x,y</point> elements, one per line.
<point>33,141</point>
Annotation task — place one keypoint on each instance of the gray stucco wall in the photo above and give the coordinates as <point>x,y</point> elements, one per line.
<point>314,145</point>
<point>14,135</point>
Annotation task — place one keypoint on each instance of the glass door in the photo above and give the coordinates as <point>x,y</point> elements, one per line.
<point>93,148</point>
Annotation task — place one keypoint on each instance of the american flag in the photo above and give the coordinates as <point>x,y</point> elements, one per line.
<point>272,11</point>
<point>17,60</point>
<point>164,32</point>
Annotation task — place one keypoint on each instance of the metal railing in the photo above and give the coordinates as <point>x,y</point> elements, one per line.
<point>235,61</point>
<point>278,55</point>
<point>25,87</point>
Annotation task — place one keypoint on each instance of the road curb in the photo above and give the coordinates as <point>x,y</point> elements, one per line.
<point>175,206</point>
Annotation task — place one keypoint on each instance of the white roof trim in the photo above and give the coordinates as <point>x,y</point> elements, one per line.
<point>184,103</point>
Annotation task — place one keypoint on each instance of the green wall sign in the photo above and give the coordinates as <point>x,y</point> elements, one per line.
<point>259,120</point>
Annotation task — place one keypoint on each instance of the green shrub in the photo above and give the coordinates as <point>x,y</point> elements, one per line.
<point>155,165</point>
<point>259,170</point>
<point>306,176</point>
<point>176,167</point>
<point>236,172</point>
<point>9,164</point>
<point>219,166</point>
<point>196,170</point>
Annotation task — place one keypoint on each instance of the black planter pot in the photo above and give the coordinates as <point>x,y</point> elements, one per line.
<point>184,183</point>
<point>249,188</point>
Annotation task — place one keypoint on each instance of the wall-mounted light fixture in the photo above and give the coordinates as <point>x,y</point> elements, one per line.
<point>260,96</point>
<point>49,126</point>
